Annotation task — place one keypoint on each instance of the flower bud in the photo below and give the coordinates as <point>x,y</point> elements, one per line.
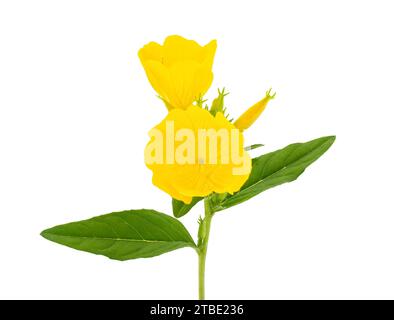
<point>251,115</point>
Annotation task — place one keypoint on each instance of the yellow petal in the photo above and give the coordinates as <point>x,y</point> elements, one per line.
<point>189,80</point>
<point>201,177</point>
<point>164,185</point>
<point>209,53</point>
<point>177,48</point>
<point>159,77</point>
<point>151,51</point>
<point>180,70</point>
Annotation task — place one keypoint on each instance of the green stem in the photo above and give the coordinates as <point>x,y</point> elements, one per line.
<point>204,230</point>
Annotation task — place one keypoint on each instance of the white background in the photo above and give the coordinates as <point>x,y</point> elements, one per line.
<point>75,109</point>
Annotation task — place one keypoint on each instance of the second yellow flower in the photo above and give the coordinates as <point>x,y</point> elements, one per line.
<point>180,70</point>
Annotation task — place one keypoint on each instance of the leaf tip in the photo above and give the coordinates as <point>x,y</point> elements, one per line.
<point>331,139</point>
<point>45,234</point>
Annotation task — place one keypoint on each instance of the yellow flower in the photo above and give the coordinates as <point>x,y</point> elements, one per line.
<point>193,153</point>
<point>180,70</point>
<point>252,114</point>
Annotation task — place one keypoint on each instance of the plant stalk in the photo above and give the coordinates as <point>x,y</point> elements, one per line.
<point>203,232</point>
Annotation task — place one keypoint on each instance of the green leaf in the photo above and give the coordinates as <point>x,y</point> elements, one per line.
<point>253,146</point>
<point>124,235</point>
<point>275,168</point>
<point>179,208</point>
